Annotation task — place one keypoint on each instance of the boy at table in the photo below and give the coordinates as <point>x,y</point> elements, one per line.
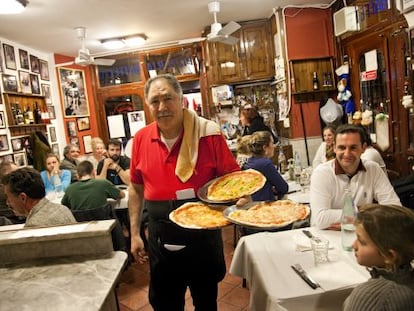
<point>366,180</point>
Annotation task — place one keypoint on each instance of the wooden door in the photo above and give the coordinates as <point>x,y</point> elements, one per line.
<point>382,92</point>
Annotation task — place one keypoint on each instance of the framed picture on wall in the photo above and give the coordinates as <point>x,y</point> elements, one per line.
<point>55,149</point>
<point>73,91</point>
<point>87,139</point>
<point>25,84</point>
<point>44,69</point>
<point>34,64</point>
<point>20,159</point>
<point>2,120</point>
<point>407,6</point>
<point>52,134</point>
<point>51,110</point>
<point>83,124</point>
<point>9,83</point>
<point>71,126</point>
<point>9,56</point>
<point>24,59</point>
<point>17,144</point>
<point>4,143</point>
<point>46,93</point>
<point>75,141</point>
<point>34,80</point>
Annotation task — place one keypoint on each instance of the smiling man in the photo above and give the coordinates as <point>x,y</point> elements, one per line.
<point>366,180</point>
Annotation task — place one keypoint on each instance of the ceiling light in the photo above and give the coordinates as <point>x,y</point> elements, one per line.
<point>135,40</point>
<point>117,43</point>
<point>112,44</point>
<point>12,6</point>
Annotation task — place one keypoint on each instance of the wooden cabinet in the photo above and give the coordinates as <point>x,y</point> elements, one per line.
<point>302,73</point>
<point>250,59</point>
<point>17,106</point>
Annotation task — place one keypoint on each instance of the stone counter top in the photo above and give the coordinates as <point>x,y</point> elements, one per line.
<point>81,239</point>
<point>62,284</point>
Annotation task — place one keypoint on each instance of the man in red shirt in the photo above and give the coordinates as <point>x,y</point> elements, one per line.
<point>167,173</point>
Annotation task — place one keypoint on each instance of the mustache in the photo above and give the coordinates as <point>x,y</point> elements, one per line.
<point>162,114</point>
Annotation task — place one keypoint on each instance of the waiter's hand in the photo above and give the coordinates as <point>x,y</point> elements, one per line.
<point>243,201</point>
<point>137,249</point>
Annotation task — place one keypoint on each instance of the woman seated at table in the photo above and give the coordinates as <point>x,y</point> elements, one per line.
<point>384,244</point>
<point>325,151</point>
<point>262,149</point>
<point>52,171</point>
<point>98,151</point>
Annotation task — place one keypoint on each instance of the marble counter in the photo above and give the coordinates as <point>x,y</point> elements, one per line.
<point>76,283</point>
<point>89,238</point>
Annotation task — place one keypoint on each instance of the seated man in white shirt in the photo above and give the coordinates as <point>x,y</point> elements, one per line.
<point>366,180</point>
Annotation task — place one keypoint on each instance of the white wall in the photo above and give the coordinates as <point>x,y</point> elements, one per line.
<point>53,82</point>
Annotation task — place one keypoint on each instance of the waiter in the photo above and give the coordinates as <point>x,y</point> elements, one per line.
<point>171,159</point>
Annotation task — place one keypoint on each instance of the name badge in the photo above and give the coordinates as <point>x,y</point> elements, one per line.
<point>185,194</point>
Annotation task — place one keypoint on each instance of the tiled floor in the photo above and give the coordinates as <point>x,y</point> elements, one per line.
<point>133,289</point>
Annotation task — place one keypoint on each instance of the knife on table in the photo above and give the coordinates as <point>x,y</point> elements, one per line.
<point>311,236</point>
<point>302,273</point>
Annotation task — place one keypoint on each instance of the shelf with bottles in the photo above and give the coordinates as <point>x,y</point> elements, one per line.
<point>25,113</point>
<point>312,76</point>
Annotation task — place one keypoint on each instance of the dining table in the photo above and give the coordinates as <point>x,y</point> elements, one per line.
<point>265,261</point>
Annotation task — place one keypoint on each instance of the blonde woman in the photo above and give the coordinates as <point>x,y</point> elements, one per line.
<point>98,151</point>
<point>325,151</point>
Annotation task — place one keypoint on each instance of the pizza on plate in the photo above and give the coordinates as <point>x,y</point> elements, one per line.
<point>235,185</point>
<point>271,214</point>
<point>198,215</point>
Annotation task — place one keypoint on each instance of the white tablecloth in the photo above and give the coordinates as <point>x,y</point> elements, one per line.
<point>296,194</point>
<point>264,260</point>
<point>120,203</point>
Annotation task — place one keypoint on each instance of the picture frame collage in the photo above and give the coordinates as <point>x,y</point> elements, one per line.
<point>23,73</point>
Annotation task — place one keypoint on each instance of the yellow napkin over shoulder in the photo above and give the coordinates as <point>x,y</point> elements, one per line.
<point>194,128</point>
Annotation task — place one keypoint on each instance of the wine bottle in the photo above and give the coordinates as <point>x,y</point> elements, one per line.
<point>315,81</point>
<point>37,114</point>
<point>19,115</point>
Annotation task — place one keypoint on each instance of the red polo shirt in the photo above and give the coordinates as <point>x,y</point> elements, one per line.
<point>154,166</point>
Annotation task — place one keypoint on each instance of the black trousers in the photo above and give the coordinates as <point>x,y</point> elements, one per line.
<point>199,266</point>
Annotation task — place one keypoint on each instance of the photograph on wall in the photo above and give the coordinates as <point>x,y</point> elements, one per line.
<point>34,64</point>
<point>71,125</point>
<point>2,120</point>
<point>83,124</point>
<point>51,110</point>
<point>4,143</point>
<point>24,59</point>
<point>34,81</point>
<point>52,134</point>
<point>9,83</point>
<point>46,93</point>
<point>25,85</point>
<point>87,143</point>
<point>6,158</point>
<point>44,69</point>
<point>136,121</point>
<point>20,159</point>
<point>55,149</point>
<point>75,141</point>
<point>17,144</point>
<point>73,90</point>
<point>9,56</point>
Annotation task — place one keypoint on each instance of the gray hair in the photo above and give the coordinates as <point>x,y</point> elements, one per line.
<point>171,80</point>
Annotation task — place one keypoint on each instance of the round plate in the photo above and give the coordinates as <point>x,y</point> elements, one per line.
<point>247,206</point>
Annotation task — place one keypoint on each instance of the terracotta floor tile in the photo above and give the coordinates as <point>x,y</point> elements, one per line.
<point>223,289</point>
<point>238,297</point>
<point>223,306</point>
<point>133,299</point>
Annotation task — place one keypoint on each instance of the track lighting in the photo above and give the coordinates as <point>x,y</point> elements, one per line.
<point>118,43</point>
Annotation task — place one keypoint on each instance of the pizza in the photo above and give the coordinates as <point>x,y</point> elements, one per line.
<point>198,215</point>
<point>235,185</point>
<point>270,214</point>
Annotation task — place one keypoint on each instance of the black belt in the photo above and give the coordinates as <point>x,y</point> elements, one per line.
<point>161,209</point>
